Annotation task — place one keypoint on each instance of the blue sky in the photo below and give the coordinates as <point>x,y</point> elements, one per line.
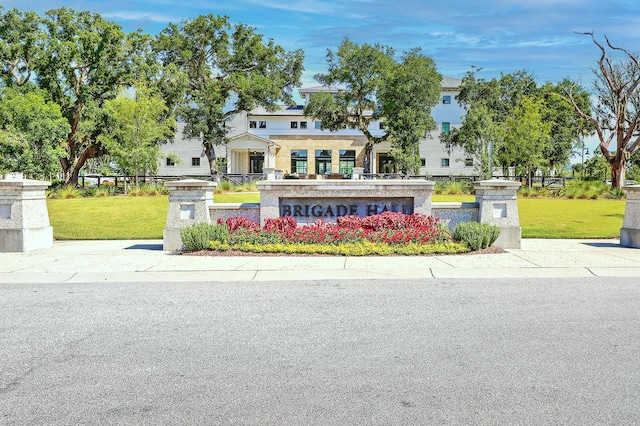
<point>496,35</point>
<point>499,36</point>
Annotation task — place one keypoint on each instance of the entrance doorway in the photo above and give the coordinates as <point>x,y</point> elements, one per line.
<point>256,161</point>
<point>386,163</point>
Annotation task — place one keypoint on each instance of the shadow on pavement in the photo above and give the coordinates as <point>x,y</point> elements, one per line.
<point>603,245</point>
<point>145,247</point>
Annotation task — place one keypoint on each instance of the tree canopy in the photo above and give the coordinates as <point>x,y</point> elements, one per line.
<point>226,70</point>
<point>372,85</point>
<point>79,60</point>
<point>30,133</point>
<point>137,124</point>
<point>513,123</point>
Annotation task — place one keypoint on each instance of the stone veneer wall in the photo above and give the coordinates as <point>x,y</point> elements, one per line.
<point>496,203</point>
<point>228,210</point>
<point>630,231</point>
<point>455,213</point>
<point>272,190</point>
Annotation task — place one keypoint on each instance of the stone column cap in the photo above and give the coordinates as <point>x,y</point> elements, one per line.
<point>24,184</point>
<point>190,183</point>
<point>631,188</point>
<point>499,183</point>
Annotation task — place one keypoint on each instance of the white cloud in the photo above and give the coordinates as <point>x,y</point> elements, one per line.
<point>141,16</point>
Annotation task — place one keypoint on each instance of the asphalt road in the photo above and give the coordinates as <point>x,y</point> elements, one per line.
<point>321,353</point>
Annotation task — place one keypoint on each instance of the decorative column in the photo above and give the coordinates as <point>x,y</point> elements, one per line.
<point>269,172</point>
<point>189,202</point>
<point>24,218</point>
<point>498,205</point>
<point>630,231</point>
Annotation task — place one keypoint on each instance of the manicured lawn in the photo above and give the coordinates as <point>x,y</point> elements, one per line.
<point>561,218</point>
<point>237,197</point>
<point>144,217</point>
<point>108,218</point>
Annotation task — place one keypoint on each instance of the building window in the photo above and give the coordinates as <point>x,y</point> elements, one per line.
<point>347,161</point>
<point>170,162</point>
<point>323,161</point>
<point>423,162</point>
<point>386,163</point>
<point>294,124</point>
<point>446,128</point>
<point>252,124</point>
<point>446,99</point>
<point>303,124</point>
<point>262,124</point>
<point>444,162</point>
<point>468,162</point>
<point>318,125</point>
<point>299,161</point>
<point>195,161</point>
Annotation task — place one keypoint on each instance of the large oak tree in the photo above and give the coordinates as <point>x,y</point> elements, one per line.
<point>227,70</point>
<point>372,85</point>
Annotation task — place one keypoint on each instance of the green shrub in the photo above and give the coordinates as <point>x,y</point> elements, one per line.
<point>69,191</point>
<point>455,188</point>
<point>475,235</point>
<point>440,187</point>
<point>199,236</point>
<point>616,194</point>
<point>105,191</point>
<point>224,186</point>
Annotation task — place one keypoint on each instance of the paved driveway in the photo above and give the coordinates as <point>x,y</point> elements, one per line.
<point>321,352</point>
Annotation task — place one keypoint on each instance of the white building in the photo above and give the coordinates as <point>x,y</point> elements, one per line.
<point>286,140</point>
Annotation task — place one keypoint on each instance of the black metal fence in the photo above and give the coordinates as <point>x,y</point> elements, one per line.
<point>244,178</point>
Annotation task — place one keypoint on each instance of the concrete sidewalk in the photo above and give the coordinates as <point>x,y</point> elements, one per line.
<point>144,260</point>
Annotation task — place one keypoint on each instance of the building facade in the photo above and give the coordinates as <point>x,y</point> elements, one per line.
<point>287,141</point>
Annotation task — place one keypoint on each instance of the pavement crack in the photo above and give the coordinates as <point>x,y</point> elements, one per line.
<point>526,260</point>
<point>71,277</point>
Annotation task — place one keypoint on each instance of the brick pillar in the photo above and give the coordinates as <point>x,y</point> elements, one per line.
<point>630,231</point>
<point>24,218</point>
<point>189,202</point>
<point>498,205</point>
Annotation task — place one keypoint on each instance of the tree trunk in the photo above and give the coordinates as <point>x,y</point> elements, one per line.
<point>367,158</point>
<point>211,156</point>
<point>618,172</point>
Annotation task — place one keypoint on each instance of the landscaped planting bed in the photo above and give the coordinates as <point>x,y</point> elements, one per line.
<point>384,234</point>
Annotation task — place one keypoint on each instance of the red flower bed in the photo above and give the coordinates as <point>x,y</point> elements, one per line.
<point>388,227</point>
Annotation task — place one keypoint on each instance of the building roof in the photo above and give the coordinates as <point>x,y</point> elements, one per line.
<point>450,82</point>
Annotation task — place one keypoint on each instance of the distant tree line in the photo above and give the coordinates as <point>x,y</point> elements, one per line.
<point>74,88</point>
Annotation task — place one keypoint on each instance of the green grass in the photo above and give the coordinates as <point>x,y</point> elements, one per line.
<point>144,217</point>
<point>108,218</point>
<point>561,218</point>
<point>237,197</point>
